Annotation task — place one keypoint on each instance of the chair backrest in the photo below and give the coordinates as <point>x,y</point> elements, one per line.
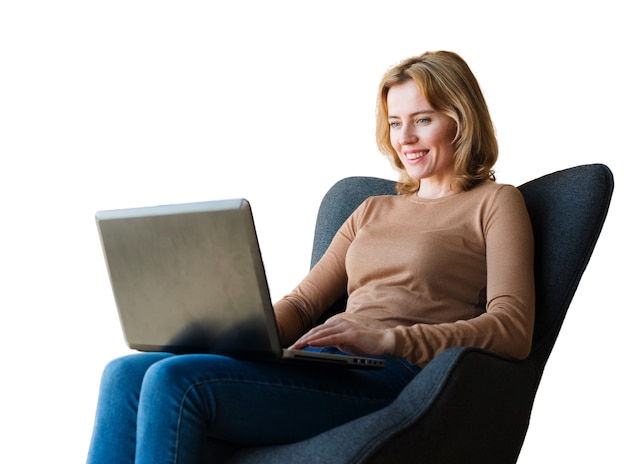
<point>567,209</point>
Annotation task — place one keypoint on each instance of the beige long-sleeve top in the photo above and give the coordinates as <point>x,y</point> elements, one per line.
<point>454,271</point>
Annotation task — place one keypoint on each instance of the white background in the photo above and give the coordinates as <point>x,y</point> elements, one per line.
<point>126,103</point>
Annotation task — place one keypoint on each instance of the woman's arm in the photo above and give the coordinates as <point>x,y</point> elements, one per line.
<point>326,282</point>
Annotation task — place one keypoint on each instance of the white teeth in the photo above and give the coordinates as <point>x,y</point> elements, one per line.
<point>414,156</point>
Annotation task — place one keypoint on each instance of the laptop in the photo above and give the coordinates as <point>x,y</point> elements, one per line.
<point>189,278</point>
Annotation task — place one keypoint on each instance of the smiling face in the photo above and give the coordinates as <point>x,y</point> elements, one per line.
<point>422,139</point>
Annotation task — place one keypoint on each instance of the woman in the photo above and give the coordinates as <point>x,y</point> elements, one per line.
<point>447,262</point>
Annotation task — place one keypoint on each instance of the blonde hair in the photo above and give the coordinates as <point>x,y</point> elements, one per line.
<point>450,87</point>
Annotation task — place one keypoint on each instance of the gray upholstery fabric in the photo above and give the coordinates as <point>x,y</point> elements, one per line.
<point>468,405</point>
<point>567,209</point>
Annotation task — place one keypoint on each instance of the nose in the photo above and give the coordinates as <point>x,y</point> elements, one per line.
<point>408,135</point>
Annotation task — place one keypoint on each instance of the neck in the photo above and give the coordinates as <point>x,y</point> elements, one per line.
<point>431,192</point>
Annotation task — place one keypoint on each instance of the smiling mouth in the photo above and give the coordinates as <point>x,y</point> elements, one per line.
<point>415,156</point>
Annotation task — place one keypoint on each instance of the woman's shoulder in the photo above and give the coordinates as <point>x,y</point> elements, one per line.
<point>490,187</point>
<point>501,200</point>
<point>496,190</point>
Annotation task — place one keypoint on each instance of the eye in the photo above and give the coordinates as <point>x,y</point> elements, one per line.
<point>423,120</point>
<point>394,124</point>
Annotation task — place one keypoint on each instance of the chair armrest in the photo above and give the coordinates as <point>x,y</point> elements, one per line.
<point>465,393</point>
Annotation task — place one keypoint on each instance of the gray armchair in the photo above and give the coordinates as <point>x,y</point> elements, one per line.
<point>468,405</point>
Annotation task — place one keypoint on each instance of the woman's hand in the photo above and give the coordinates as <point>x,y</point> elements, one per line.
<point>348,334</point>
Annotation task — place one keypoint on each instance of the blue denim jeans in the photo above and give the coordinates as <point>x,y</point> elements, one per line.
<point>163,408</point>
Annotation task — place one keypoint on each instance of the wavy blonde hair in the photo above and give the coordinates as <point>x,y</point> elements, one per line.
<point>451,88</point>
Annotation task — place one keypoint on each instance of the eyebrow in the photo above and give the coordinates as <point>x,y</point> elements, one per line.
<point>416,113</point>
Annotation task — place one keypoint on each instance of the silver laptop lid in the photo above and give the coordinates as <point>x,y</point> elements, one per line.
<point>189,278</point>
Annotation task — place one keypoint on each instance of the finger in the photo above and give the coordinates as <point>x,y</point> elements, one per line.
<point>320,336</point>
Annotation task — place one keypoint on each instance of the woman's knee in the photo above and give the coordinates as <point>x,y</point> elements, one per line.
<point>130,369</point>
<point>181,374</point>
<point>171,371</point>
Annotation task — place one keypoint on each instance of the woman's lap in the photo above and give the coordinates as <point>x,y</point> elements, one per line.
<point>184,401</point>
